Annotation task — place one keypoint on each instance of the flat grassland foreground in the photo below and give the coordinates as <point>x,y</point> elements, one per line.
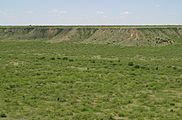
<point>45,80</point>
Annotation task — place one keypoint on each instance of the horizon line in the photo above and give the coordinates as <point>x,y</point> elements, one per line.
<point>90,24</point>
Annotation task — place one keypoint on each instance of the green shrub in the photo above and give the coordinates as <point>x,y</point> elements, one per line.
<point>71,60</point>
<point>53,58</point>
<point>137,66</point>
<point>157,68</point>
<point>130,64</point>
<point>65,58</point>
<point>3,115</point>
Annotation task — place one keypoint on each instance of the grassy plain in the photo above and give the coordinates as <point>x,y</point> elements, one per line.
<point>44,81</point>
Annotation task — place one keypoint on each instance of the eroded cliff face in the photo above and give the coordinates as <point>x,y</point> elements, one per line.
<point>123,36</point>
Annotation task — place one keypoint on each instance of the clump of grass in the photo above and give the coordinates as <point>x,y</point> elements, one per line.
<point>53,58</point>
<point>130,64</point>
<point>71,60</point>
<point>114,64</point>
<point>93,61</point>
<point>65,58</point>
<point>111,117</point>
<point>42,58</point>
<point>3,115</point>
<point>172,104</point>
<point>38,74</point>
<point>157,68</point>
<point>133,74</point>
<point>137,66</point>
<point>171,110</point>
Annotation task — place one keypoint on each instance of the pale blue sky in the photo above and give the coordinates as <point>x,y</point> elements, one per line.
<point>90,12</point>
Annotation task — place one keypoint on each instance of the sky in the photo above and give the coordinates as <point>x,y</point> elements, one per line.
<point>90,12</point>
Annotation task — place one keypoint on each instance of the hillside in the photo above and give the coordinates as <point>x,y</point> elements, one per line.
<point>128,35</point>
